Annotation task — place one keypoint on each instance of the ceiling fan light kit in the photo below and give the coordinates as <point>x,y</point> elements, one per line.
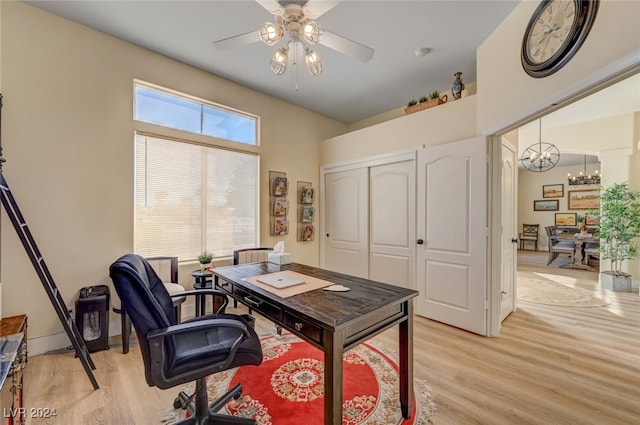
<point>270,33</point>
<point>279,61</point>
<point>299,24</point>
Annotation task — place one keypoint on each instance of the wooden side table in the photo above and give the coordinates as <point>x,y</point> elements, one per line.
<point>203,280</point>
<point>13,350</point>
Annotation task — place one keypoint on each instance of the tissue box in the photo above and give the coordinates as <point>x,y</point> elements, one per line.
<point>279,258</point>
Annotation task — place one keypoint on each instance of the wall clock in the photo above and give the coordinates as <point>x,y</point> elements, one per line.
<point>554,34</point>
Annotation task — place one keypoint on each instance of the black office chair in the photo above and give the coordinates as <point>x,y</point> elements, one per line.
<point>173,353</point>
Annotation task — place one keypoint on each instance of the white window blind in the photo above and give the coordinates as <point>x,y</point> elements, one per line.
<point>190,198</point>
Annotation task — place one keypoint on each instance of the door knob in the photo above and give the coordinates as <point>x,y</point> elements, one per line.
<point>513,240</point>
<point>419,241</point>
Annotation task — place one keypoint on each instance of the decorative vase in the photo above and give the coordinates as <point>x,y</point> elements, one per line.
<point>458,86</point>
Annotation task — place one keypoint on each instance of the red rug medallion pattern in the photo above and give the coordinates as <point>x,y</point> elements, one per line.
<point>288,387</point>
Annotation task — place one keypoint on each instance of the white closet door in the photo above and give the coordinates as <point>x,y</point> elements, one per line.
<point>346,222</point>
<point>392,223</point>
<point>452,229</point>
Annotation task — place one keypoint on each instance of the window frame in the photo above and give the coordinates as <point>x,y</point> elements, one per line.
<point>183,136</point>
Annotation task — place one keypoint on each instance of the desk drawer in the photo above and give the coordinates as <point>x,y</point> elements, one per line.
<point>259,304</point>
<point>308,329</point>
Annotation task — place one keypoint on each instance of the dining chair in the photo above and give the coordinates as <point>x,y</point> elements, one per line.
<point>529,234</point>
<point>557,247</point>
<point>250,255</point>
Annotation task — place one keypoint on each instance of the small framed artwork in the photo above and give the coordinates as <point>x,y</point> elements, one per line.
<point>307,233</point>
<point>553,190</point>
<point>307,214</point>
<point>280,226</point>
<point>280,186</point>
<point>591,220</point>
<point>588,199</point>
<point>280,206</point>
<point>566,219</point>
<point>307,195</point>
<point>546,205</point>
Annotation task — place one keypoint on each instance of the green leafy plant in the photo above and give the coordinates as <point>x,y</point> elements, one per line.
<point>423,99</point>
<point>205,257</point>
<point>435,95</point>
<point>412,102</point>
<point>619,225</point>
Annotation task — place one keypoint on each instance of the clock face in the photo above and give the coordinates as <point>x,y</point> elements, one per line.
<point>555,32</point>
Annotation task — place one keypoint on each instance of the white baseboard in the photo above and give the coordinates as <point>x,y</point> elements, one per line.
<point>60,341</point>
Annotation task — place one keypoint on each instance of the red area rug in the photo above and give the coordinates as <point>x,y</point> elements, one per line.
<point>288,387</point>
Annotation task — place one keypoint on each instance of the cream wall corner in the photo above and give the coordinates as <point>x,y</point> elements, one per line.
<point>68,139</point>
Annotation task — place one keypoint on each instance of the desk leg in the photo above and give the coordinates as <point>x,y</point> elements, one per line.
<point>333,375</point>
<point>406,361</point>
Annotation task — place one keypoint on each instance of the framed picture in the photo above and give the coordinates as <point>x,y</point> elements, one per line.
<point>553,191</point>
<point>566,219</point>
<point>587,199</point>
<point>280,226</point>
<point>591,220</point>
<point>280,185</point>
<point>546,205</point>
<point>307,233</point>
<point>280,206</point>
<point>307,195</point>
<point>307,214</point>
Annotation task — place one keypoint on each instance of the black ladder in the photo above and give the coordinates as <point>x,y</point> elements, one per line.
<point>10,205</point>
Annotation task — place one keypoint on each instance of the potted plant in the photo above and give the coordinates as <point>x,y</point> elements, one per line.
<point>618,233</point>
<point>423,99</point>
<point>205,260</point>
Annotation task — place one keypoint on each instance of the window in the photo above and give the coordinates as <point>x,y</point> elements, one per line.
<point>190,198</point>
<point>162,107</point>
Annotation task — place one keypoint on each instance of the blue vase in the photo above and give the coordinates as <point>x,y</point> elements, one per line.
<point>458,86</point>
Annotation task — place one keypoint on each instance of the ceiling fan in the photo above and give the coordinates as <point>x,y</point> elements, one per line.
<point>296,20</point>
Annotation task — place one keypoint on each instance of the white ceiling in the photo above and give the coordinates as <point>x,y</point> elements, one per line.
<point>347,90</point>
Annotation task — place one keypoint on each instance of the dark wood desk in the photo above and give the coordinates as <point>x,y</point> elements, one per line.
<point>332,321</point>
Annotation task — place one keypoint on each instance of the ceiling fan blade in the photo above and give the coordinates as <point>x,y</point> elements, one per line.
<point>313,9</point>
<point>272,6</point>
<point>237,41</point>
<point>344,45</point>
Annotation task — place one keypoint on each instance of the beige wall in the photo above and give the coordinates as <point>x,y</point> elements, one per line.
<point>507,94</point>
<point>68,140</point>
<point>530,189</point>
<point>445,123</point>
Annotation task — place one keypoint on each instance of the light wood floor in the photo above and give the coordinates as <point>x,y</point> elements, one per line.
<point>551,365</point>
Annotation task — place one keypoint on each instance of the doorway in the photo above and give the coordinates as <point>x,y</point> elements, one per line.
<point>582,111</point>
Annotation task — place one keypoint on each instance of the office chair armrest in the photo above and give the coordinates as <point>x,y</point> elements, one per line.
<point>197,325</point>
<point>157,350</point>
<point>197,292</point>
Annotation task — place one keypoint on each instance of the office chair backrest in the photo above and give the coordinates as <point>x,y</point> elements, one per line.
<point>145,299</point>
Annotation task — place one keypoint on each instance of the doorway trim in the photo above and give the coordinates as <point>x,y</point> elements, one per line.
<point>609,75</point>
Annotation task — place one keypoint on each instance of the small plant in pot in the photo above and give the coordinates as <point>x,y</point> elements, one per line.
<point>205,260</point>
<point>423,99</point>
<point>619,232</point>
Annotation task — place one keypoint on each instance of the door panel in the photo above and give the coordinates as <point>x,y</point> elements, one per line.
<point>452,203</point>
<point>346,222</point>
<point>508,233</point>
<point>392,223</point>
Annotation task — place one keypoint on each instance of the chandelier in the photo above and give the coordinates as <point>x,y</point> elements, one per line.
<point>541,156</point>
<point>584,178</point>
<point>302,33</point>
